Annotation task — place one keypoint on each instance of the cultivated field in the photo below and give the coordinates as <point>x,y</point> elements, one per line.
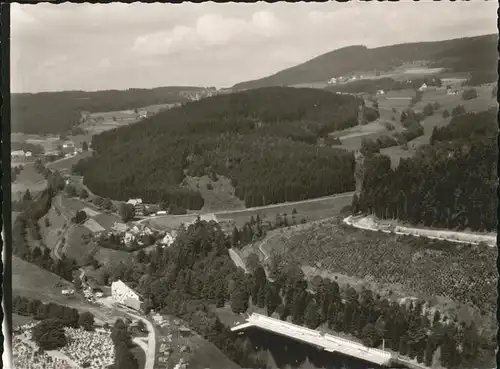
<point>458,278</point>
<point>394,102</point>
<point>28,179</point>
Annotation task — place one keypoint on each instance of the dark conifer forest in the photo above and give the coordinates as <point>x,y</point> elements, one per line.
<point>448,184</point>
<point>264,140</point>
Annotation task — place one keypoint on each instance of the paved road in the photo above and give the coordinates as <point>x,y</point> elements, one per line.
<point>317,199</point>
<point>151,347</point>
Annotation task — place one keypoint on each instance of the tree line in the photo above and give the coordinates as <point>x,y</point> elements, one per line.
<point>432,188</point>
<point>196,273</point>
<point>264,140</point>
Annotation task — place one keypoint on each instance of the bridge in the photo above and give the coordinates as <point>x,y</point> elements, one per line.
<point>321,340</point>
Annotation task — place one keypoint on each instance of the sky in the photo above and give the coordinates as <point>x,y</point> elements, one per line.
<point>119,46</point>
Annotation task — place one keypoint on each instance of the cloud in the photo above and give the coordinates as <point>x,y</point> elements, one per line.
<point>210,30</point>
<point>102,46</point>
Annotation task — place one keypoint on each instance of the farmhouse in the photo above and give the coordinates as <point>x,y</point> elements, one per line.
<point>333,81</point>
<point>124,295</point>
<point>380,92</point>
<point>28,154</point>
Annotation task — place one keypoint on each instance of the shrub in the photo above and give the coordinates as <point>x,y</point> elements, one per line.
<point>469,94</point>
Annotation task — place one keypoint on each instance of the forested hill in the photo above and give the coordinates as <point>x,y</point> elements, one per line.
<point>56,112</point>
<point>451,183</point>
<point>264,140</point>
<point>476,55</point>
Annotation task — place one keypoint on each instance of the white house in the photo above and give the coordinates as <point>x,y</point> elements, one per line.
<point>124,295</point>
<point>28,154</point>
<point>333,81</point>
<point>380,92</point>
<point>423,87</point>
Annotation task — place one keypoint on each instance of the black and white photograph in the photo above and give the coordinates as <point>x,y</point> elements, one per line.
<point>253,185</point>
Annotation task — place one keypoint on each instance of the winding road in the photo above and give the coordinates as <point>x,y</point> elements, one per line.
<point>151,346</point>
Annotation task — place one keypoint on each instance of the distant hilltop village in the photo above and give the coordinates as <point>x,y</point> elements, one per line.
<point>203,93</point>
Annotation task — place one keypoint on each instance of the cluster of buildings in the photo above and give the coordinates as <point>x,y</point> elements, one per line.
<point>132,234</point>
<point>344,79</point>
<point>18,154</point>
<point>67,149</point>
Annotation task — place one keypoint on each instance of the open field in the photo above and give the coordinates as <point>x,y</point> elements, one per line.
<point>18,320</point>
<point>104,121</point>
<point>112,257</point>
<point>103,219</point>
<point>310,210</point>
<point>50,234</point>
<point>32,281</point>
<point>65,164</point>
<point>218,195</point>
<point>76,247</point>
<point>399,100</point>
<point>28,179</point>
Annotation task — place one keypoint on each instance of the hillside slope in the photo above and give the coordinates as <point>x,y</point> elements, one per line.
<point>473,54</point>
<point>264,141</point>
